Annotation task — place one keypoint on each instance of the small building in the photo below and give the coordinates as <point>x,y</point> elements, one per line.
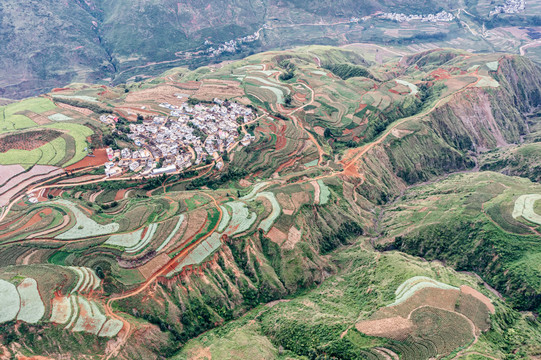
<point>164,170</point>
<point>134,165</point>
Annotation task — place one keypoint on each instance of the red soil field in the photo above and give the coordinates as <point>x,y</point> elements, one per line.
<point>120,194</point>
<point>440,74</point>
<point>281,140</point>
<point>276,236</point>
<point>154,265</point>
<point>28,140</point>
<point>83,111</point>
<point>99,158</point>
<point>6,225</point>
<point>33,220</point>
<point>397,92</point>
<point>288,163</point>
<point>61,89</point>
<point>191,85</point>
<point>361,107</point>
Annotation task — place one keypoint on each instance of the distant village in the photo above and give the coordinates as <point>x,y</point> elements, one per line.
<point>441,16</point>
<point>232,46</point>
<point>510,7</point>
<point>191,135</point>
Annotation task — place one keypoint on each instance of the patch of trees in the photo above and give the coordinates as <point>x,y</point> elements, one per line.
<point>289,68</point>
<point>81,104</point>
<point>155,182</point>
<point>279,116</point>
<point>197,132</point>
<point>346,71</point>
<point>287,99</point>
<point>232,174</point>
<point>193,101</point>
<point>515,20</point>
<point>340,236</point>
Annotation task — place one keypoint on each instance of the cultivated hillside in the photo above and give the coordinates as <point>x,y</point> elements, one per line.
<point>335,232</point>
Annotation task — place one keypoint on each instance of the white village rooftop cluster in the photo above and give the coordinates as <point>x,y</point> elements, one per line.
<point>187,137</point>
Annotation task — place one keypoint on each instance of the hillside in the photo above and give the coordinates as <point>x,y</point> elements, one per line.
<point>352,216</point>
<point>113,41</point>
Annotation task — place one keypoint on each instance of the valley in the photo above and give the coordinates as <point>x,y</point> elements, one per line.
<point>317,237</point>
<point>113,42</point>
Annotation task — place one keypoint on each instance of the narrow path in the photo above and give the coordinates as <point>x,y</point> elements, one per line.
<point>522,49</point>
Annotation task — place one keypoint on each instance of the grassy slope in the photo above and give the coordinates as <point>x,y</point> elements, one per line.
<point>315,322</point>
<point>466,220</point>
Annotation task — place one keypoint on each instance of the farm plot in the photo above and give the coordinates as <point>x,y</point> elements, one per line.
<point>432,321</point>
<point>79,134</point>
<point>414,90</point>
<point>126,240</point>
<point>241,220</point>
<point>10,301</point>
<point>254,191</point>
<point>27,140</point>
<point>59,117</point>
<point>111,328</point>
<point>226,217</point>
<point>32,308</point>
<point>61,310</point>
<point>394,327</point>
<point>9,171</point>
<point>77,97</point>
<point>199,254</point>
<point>269,221</point>
<point>87,280</point>
<point>172,234</point>
<point>21,181</point>
<point>145,240</point>
<point>11,119</point>
<point>409,287</point>
<point>48,154</point>
<point>324,192</point>
<point>90,318</point>
<point>524,206</point>
<point>84,226</point>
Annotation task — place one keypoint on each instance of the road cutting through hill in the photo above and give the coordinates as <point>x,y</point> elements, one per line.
<point>164,270</point>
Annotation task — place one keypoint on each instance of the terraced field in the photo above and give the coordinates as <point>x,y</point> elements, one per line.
<point>283,234</point>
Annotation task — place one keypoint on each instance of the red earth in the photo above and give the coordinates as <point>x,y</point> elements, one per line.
<point>99,158</point>
<point>440,74</point>
<point>33,220</point>
<point>120,194</point>
<point>281,140</point>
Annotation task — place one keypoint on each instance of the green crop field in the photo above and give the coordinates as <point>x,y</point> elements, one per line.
<point>10,120</point>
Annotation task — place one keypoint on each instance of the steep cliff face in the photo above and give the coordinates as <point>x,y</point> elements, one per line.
<point>521,79</point>
<point>447,140</point>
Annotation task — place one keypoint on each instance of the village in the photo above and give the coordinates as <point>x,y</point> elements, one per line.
<point>441,16</point>
<point>510,7</point>
<point>189,136</point>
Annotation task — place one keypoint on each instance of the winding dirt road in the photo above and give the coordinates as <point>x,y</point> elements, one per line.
<point>162,272</point>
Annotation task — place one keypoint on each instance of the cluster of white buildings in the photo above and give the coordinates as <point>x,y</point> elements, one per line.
<point>187,137</point>
<point>510,7</point>
<point>441,16</point>
<point>232,45</point>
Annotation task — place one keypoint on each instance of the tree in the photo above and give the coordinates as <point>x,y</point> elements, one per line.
<point>287,99</point>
